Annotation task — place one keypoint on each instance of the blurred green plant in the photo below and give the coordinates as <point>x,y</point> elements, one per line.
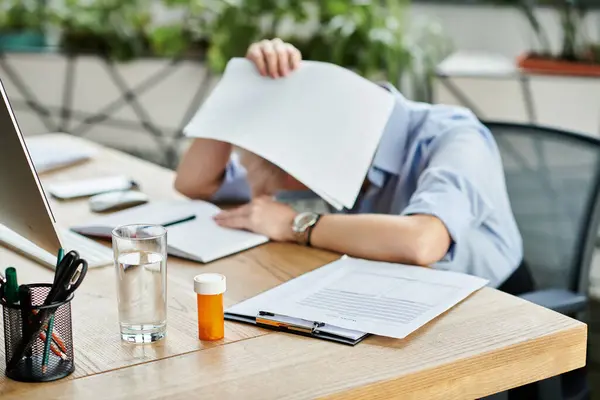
<point>22,15</point>
<point>183,35</point>
<point>574,45</point>
<point>371,37</point>
<point>169,40</point>
<point>116,29</point>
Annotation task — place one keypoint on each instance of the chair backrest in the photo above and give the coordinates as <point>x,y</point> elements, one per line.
<point>553,181</point>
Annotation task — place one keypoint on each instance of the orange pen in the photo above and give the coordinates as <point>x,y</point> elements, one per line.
<point>209,290</point>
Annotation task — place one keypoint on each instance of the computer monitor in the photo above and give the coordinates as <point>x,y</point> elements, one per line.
<point>24,207</point>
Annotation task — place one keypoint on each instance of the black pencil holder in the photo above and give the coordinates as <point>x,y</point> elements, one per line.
<point>34,366</point>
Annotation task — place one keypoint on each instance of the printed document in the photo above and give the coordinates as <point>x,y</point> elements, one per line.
<point>264,301</point>
<point>320,120</point>
<point>380,298</point>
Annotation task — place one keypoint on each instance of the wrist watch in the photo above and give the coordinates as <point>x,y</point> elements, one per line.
<point>303,225</point>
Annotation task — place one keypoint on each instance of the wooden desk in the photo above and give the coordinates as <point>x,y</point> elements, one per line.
<point>488,343</point>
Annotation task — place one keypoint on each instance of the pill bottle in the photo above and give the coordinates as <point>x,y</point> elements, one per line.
<point>209,290</point>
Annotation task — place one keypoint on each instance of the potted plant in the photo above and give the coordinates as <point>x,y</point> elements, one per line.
<point>22,25</point>
<point>576,56</point>
<point>184,36</point>
<point>372,38</point>
<point>113,29</point>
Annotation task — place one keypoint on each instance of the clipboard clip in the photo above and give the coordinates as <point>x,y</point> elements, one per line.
<point>271,320</point>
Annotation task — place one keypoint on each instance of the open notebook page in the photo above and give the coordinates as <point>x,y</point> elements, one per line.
<point>199,239</point>
<point>203,239</point>
<point>156,213</point>
<point>321,121</point>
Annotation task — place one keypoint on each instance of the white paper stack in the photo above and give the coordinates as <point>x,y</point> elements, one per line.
<point>50,152</point>
<point>322,124</point>
<point>351,297</point>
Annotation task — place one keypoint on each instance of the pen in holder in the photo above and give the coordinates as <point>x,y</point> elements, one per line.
<point>35,364</point>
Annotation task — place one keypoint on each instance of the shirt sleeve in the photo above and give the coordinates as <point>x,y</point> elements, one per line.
<point>455,184</point>
<point>235,187</point>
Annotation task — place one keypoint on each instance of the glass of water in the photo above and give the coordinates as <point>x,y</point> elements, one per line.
<point>141,263</point>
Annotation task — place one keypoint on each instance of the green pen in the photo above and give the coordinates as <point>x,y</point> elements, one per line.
<point>11,289</point>
<point>59,257</point>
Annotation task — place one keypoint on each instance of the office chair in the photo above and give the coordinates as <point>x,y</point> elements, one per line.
<point>553,181</point>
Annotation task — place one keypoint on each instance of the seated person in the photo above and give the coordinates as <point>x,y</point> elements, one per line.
<point>435,194</point>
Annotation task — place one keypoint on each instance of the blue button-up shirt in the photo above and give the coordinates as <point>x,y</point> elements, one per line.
<point>441,161</point>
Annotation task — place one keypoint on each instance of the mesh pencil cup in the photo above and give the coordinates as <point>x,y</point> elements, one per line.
<point>38,364</point>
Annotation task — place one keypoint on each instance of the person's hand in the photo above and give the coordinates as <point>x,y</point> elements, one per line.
<point>264,216</point>
<point>274,58</point>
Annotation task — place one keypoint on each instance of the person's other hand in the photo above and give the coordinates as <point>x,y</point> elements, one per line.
<point>264,216</point>
<point>274,58</point>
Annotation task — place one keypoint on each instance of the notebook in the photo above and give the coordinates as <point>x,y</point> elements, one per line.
<point>310,124</point>
<point>349,299</point>
<point>191,232</point>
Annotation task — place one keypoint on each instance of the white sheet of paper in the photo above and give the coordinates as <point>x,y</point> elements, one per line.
<point>318,122</point>
<point>265,300</point>
<point>155,213</point>
<point>203,239</point>
<point>49,152</point>
<point>380,298</point>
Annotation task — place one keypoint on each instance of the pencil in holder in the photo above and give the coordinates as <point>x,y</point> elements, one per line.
<point>45,360</point>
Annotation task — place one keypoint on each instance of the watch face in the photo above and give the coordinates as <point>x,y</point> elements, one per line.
<point>303,221</point>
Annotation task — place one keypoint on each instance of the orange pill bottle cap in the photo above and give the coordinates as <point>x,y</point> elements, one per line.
<point>210,284</point>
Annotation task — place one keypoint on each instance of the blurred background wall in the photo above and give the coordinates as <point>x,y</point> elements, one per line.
<point>130,73</point>
<point>495,29</point>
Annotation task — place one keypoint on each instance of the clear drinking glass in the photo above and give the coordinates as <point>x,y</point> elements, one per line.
<point>141,264</point>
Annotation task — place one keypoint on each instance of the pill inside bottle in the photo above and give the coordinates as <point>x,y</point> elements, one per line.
<point>209,290</point>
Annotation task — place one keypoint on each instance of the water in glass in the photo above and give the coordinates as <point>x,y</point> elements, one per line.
<point>142,295</point>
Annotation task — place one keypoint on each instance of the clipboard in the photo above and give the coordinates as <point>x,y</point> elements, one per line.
<point>350,298</point>
<point>299,326</point>
<point>255,311</point>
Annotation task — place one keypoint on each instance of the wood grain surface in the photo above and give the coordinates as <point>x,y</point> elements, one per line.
<point>490,342</point>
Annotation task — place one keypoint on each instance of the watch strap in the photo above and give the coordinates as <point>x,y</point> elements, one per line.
<point>310,229</point>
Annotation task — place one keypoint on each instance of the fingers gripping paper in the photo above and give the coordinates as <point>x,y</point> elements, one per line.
<point>322,124</point>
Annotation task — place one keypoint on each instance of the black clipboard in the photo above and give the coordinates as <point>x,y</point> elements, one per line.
<point>294,325</point>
